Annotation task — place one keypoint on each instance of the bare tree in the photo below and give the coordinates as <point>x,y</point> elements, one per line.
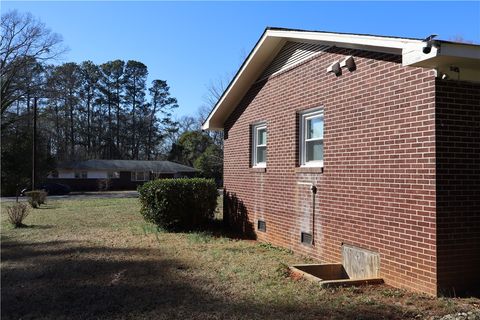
<point>23,38</point>
<point>215,91</point>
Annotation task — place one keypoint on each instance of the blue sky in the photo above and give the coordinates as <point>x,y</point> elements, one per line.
<point>191,44</point>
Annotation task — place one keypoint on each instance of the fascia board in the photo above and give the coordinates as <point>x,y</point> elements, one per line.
<point>441,53</point>
<point>379,44</point>
<point>459,50</point>
<point>269,45</point>
<point>412,54</point>
<point>262,54</point>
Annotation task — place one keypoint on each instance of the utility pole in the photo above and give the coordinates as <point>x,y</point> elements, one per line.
<point>34,144</point>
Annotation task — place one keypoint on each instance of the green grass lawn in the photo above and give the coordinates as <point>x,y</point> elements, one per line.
<point>98,259</point>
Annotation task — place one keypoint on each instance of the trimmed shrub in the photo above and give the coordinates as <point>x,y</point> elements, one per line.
<point>42,197</point>
<point>178,204</point>
<point>36,197</point>
<point>17,213</point>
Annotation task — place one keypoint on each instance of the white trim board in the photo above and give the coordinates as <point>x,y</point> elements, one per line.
<point>440,57</point>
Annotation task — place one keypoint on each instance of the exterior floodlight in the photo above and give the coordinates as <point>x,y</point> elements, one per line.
<point>349,63</point>
<point>429,43</point>
<point>335,68</point>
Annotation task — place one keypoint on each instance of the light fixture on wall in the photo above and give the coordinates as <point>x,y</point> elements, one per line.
<point>429,43</point>
<point>348,63</point>
<point>335,68</point>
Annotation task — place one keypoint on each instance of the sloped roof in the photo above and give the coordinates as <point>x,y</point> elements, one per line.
<point>127,165</point>
<point>442,55</point>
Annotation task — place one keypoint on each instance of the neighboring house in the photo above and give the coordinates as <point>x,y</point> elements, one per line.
<point>116,174</point>
<point>385,130</point>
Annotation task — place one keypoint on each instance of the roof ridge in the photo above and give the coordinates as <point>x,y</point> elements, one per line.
<point>336,32</point>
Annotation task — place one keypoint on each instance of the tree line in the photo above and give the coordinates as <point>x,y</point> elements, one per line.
<point>85,110</point>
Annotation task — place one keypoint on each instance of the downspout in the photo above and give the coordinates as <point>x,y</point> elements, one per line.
<point>313,189</point>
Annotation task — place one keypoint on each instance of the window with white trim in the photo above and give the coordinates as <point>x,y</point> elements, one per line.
<point>259,145</point>
<point>140,175</point>
<point>311,138</point>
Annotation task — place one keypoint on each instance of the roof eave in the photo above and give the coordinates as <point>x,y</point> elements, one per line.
<point>257,57</point>
<point>456,61</point>
<point>272,40</point>
<point>268,46</point>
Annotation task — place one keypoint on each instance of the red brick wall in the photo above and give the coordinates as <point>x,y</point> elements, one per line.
<point>458,186</point>
<point>378,186</point>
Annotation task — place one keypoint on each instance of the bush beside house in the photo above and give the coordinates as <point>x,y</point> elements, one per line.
<point>36,197</point>
<point>178,204</point>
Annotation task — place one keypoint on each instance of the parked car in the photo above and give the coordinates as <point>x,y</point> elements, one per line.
<point>53,189</point>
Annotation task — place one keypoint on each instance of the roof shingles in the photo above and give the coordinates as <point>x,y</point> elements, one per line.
<point>127,165</point>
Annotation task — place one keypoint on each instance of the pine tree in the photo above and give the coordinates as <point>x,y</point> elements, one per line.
<point>163,104</point>
<point>135,86</point>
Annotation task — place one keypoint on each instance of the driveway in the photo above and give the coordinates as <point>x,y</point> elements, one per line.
<point>84,195</point>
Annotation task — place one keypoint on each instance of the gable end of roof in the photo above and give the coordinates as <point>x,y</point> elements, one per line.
<point>273,41</point>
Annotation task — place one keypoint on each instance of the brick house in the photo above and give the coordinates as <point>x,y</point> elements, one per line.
<point>385,130</point>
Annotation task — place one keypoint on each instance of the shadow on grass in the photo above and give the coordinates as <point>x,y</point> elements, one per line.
<point>40,226</point>
<point>37,226</point>
<point>218,229</point>
<point>30,226</point>
<point>48,205</point>
<point>68,279</point>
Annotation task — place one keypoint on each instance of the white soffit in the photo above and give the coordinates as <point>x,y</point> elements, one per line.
<point>352,41</point>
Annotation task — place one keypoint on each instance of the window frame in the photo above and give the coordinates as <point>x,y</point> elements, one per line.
<point>255,129</point>
<point>134,176</point>
<point>304,117</point>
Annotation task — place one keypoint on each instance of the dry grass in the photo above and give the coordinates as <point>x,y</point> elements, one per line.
<point>98,259</point>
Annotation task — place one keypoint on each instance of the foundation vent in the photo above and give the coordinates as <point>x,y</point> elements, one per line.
<point>306,238</point>
<point>262,226</point>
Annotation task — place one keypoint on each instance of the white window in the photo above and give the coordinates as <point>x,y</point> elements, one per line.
<point>113,175</point>
<point>140,175</point>
<point>259,145</point>
<point>311,138</point>
<point>81,174</point>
